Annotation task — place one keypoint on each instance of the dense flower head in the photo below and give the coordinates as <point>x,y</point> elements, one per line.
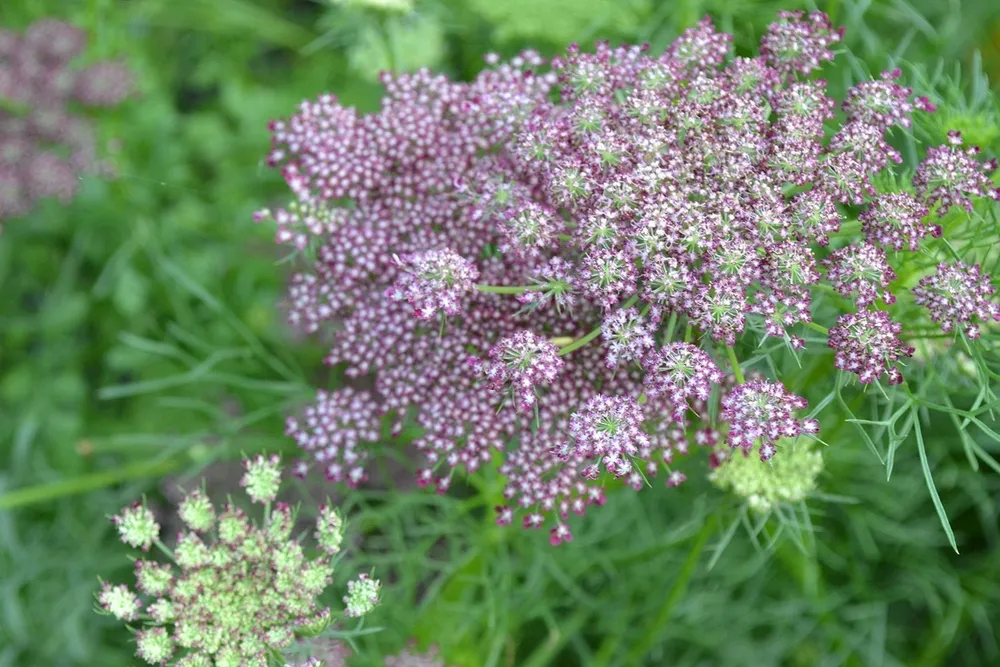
<point>867,344</point>
<point>332,430</point>
<point>549,204</point>
<point>434,282</point>
<point>362,596</point>
<point>896,220</point>
<point>262,478</point>
<point>682,373</point>
<point>761,412</point>
<point>881,102</point>
<point>627,335</point>
<point>951,175</point>
<point>799,44</point>
<point>234,592</point>
<point>137,526</point>
<point>521,364</point>
<point>46,144</point>
<point>861,271</point>
<point>788,478</point>
<point>607,428</point>
<point>955,294</point>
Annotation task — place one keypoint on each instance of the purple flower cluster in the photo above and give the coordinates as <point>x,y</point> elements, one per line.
<point>896,221</point>
<point>955,294</point>
<point>520,364</point>
<point>608,429</point>
<point>763,412</point>
<point>867,343</point>
<point>627,335</point>
<point>559,221</point>
<point>434,282</point>
<point>861,271</point>
<point>951,176</point>
<point>44,145</point>
<point>681,372</point>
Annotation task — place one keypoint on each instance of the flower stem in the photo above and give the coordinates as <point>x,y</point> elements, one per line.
<point>84,483</point>
<point>734,362</point>
<point>850,227</point>
<point>509,289</point>
<point>817,327</point>
<point>580,342</point>
<point>655,629</point>
<point>671,326</point>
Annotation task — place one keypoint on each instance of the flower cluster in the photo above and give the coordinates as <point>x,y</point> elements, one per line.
<point>521,363</point>
<point>763,412</point>
<point>788,478</point>
<point>681,372</point>
<point>867,344</point>
<point>607,429</point>
<point>562,222</point>
<point>951,176</point>
<point>44,144</point>
<point>434,282</point>
<point>861,271</point>
<point>235,591</point>
<point>955,294</point>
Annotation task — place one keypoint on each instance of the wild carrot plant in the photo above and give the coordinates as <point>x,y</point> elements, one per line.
<point>589,268</point>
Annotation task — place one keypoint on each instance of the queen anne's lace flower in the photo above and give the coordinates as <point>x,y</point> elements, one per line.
<point>520,363</point>
<point>797,44</point>
<point>951,176</point>
<point>895,220</point>
<point>681,372</point>
<point>867,343</point>
<point>627,335</point>
<point>763,412</point>
<point>861,271</point>
<point>787,479</point>
<point>544,205</point>
<point>434,282</point>
<point>955,295</point>
<point>608,428</point>
<point>235,592</point>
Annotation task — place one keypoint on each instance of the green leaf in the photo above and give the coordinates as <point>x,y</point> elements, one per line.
<point>935,498</point>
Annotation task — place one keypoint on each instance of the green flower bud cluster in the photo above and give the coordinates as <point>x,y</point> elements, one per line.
<point>788,478</point>
<point>235,593</point>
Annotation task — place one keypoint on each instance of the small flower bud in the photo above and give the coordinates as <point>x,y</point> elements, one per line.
<point>137,526</point>
<point>362,596</point>
<point>329,529</point>
<point>119,601</point>
<point>262,478</point>
<point>154,645</point>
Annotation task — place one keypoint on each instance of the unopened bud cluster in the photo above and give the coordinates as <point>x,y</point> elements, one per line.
<point>233,592</point>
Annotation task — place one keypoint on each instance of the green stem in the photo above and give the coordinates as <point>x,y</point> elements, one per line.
<point>734,362</point>
<point>84,483</point>
<point>655,629</point>
<point>818,327</point>
<point>850,227</point>
<point>580,342</point>
<point>671,325</point>
<point>509,289</point>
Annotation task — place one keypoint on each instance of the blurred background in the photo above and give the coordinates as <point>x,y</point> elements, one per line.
<point>140,342</point>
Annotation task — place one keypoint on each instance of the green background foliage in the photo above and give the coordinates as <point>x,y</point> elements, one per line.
<point>140,339</point>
